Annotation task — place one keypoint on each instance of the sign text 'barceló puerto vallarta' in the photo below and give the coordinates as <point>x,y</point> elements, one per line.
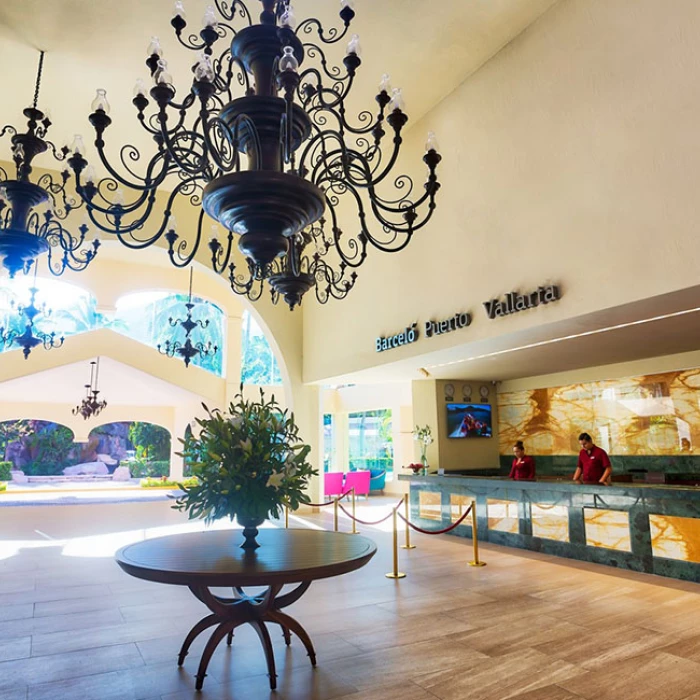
<point>514,301</point>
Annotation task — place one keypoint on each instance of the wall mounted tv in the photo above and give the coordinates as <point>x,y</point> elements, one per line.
<point>469,420</point>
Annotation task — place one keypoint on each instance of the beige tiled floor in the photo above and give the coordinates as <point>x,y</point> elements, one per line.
<point>73,626</point>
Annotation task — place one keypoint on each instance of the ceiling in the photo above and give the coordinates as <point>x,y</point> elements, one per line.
<point>119,384</point>
<point>428,48</point>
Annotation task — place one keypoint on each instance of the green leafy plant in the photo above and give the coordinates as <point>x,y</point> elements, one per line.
<point>152,442</point>
<point>50,448</point>
<point>3,487</point>
<point>424,437</point>
<point>11,431</point>
<point>5,468</point>
<point>249,463</point>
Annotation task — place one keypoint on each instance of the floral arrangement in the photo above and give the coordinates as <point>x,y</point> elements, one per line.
<point>416,467</point>
<point>424,437</point>
<point>248,462</point>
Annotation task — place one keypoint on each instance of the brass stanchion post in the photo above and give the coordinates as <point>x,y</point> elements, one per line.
<point>475,539</point>
<point>335,514</point>
<point>354,525</point>
<point>286,516</point>
<point>396,573</point>
<point>407,515</point>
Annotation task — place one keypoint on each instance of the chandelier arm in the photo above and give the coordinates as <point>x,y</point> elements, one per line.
<point>59,154</point>
<point>251,288</point>
<point>228,10</point>
<point>192,136</point>
<point>333,72</point>
<point>357,246</point>
<point>149,181</point>
<point>8,129</point>
<point>54,189</point>
<point>334,34</point>
<point>219,259</point>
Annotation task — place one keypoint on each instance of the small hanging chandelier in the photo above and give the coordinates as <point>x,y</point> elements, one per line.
<point>31,212</point>
<point>303,155</point>
<point>188,350</point>
<point>30,337</point>
<point>90,405</point>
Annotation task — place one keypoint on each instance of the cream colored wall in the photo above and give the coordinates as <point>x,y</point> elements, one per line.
<point>447,453</point>
<point>571,157</point>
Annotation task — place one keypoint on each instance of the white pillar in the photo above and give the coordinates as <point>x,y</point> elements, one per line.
<point>181,419</point>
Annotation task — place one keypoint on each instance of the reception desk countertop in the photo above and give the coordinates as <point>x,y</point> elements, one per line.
<point>653,528</point>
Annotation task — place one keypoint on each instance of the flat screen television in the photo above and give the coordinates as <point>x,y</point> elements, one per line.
<point>469,420</point>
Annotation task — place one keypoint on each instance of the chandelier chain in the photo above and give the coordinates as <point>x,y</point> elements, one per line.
<point>39,72</point>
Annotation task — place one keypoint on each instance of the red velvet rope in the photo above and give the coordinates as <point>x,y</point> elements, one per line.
<point>436,532</point>
<point>366,522</point>
<point>327,503</point>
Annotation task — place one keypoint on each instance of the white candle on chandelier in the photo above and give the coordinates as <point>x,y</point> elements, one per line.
<point>154,47</point>
<point>347,3</point>
<point>204,69</point>
<point>179,10</point>
<point>432,143</point>
<point>288,18</point>
<point>100,101</point>
<point>397,101</point>
<point>209,19</point>
<point>89,176</point>
<point>140,88</point>
<point>385,84</point>
<point>172,223</point>
<point>354,46</point>
<point>78,145</point>
<point>118,200</point>
<point>162,75</point>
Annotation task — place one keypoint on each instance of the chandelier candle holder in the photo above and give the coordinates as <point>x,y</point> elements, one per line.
<point>30,337</point>
<point>31,212</point>
<point>188,350</point>
<point>91,405</point>
<point>303,156</point>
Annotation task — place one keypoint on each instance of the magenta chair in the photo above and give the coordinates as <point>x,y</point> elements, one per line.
<point>360,480</point>
<point>332,483</point>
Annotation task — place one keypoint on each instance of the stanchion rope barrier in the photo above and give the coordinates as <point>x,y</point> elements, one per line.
<point>436,532</point>
<point>328,503</point>
<point>366,522</point>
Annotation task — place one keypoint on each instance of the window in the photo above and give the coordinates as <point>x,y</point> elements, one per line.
<point>259,365</point>
<point>370,440</point>
<point>144,316</point>
<point>328,441</point>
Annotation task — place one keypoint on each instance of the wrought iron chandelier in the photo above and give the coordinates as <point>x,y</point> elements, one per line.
<point>31,212</point>
<point>304,156</point>
<point>90,405</point>
<point>30,337</point>
<point>188,350</point>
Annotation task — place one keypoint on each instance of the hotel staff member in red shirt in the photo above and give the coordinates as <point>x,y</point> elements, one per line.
<point>593,463</point>
<point>523,465</point>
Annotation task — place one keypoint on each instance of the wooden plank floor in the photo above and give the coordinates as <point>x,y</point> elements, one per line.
<point>74,626</point>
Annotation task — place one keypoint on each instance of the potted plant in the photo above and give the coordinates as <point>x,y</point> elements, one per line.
<point>249,463</point>
<point>424,437</point>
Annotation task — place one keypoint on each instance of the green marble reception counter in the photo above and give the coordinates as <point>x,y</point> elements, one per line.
<point>648,528</point>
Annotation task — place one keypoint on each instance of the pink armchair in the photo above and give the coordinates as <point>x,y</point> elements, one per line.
<point>360,480</point>
<point>332,483</point>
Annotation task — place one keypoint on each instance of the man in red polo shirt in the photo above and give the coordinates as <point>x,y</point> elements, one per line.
<point>593,463</point>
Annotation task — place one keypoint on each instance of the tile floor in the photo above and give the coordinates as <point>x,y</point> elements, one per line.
<point>73,626</point>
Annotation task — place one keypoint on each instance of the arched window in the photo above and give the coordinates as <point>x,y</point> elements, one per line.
<point>144,316</point>
<point>258,365</point>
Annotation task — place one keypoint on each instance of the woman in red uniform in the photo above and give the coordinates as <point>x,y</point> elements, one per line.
<point>523,465</point>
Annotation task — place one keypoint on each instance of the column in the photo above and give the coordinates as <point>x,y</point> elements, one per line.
<point>181,419</point>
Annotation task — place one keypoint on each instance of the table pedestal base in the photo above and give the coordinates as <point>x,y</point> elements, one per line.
<point>255,610</point>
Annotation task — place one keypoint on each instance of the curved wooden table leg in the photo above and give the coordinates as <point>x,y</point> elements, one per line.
<point>203,624</point>
<point>292,625</point>
<point>286,634</point>
<point>259,627</point>
<point>229,639</point>
<point>217,635</point>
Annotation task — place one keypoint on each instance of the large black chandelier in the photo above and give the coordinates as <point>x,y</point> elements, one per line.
<point>91,406</point>
<point>188,350</point>
<point>304,156</point>
<point>31,212</point>
<point>30,337</point>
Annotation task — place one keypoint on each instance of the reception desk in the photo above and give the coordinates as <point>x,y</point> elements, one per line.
<point>648,528</point>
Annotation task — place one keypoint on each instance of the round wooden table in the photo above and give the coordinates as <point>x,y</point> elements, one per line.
<point>214,559</point>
